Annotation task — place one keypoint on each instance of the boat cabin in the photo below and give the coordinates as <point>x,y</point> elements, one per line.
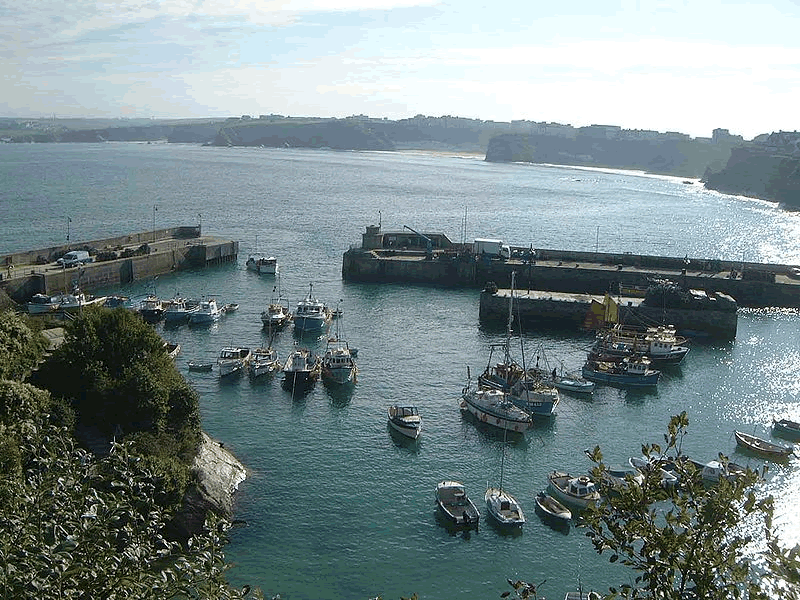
<point>581,487</point>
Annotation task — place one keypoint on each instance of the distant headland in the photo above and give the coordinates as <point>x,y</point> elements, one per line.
<point>767,167</point>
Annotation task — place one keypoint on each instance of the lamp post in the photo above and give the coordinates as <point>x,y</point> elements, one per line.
<point>68,222</point>
<point>199,224</point>
<point>155,208</point>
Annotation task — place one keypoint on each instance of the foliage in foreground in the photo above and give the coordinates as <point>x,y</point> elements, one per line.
<point>686,541</point>
<point>21,348</point>
<point>73,526</point>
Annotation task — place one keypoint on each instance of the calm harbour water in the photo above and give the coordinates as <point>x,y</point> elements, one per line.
<point>336,506</point>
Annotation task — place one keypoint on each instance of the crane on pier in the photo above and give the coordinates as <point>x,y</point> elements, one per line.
<point>428,242</point>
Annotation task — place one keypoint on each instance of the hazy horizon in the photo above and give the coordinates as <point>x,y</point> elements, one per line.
<point>647,64</point>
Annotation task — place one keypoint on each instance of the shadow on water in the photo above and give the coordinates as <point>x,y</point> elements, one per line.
<point>463,531</point>
<point>403,441</point>
<point>339,394</point>
<point>489,433</point>
<point>503,530</point>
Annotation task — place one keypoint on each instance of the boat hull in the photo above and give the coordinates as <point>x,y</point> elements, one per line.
<point>621,379</point>
<point>310,324</point>
<point>405,421</point>
<point>492,408</point>
<point>761,447</point>
<point>786,429</point>
<point>550,509</point>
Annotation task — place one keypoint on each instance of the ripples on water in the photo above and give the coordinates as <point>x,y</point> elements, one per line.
<point>335,505</point>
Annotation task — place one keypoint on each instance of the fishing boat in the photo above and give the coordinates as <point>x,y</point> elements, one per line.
<point>208,312</point>
<point>405,420</point>
<point>631,371</point>
<point>572,383</point>
<point>455,505</point>
<point>501,505</point>
<point>233,359</point>
<point>311,314</point>
<point>523,388</point>
<point>178,309</point>
<point>786,428</point>
<point>551,509</point>
<point>763,447</point>
<point>263,265</point>
<point>660,344</point>
<point>41,304</point>
<point>151,309</point>
<point>338,362</point>
<point>277,314</point>
<point>301,369</point>
<point>264,361</point>
<point>578,491</point>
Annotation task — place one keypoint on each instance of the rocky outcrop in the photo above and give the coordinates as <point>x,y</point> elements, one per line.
<point>759,172</point>
<point>218,473</point>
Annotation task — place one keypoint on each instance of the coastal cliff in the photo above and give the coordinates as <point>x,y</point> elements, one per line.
<point>760,171</point>
<point>679,157</point>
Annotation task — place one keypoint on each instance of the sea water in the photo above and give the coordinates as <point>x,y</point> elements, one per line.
<point>335,505</point>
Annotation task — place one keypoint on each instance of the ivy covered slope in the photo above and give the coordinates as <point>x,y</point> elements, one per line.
<point>74,524</point>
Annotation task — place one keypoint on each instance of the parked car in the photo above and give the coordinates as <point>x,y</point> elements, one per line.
<point>73,258</point>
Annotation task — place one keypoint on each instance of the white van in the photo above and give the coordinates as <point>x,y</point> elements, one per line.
<point>73,258</point>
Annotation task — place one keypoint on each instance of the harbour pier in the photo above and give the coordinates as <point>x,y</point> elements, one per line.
<point>558,284</point>
<point>115,261</point>
<point>432,258</point>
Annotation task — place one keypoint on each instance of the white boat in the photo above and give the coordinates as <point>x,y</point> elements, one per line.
<point>405,420</point>
<point>41,304</point>
<point>65,302</point>
<point>455,505</point>
<point>504,508</point>
<point>301,369</point>
<point>338,362</point>
<point>647,465</point>
<point>501,505</point>
<point>311,315</point>
<point>208,312</point>
<point>264,361</point>
<point>263,265</point>
<point>622,476</point>
<point>550,508</point>
<point>233,359</point>
<point>172,349</point>
<point>493,407</point>
<point>574,491</point>
<point>178,309</point>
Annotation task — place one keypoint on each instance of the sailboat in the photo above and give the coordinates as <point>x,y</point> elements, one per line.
<point>501,505</point>
<point>533,394</point>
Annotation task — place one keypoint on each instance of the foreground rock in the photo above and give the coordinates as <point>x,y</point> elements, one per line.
<point>218,474</point>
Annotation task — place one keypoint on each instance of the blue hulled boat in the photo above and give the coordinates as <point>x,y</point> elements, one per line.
<point>632,371</point>
<point>311,316</point>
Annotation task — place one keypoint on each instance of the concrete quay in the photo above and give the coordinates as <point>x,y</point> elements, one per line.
<point>547,309</point>
<point>431,258</point>
<point>36,272</point>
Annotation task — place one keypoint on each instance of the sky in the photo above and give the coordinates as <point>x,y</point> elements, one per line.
<point>664,65</point>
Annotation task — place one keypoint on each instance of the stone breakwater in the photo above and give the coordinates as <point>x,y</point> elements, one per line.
<point>133,257</point>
